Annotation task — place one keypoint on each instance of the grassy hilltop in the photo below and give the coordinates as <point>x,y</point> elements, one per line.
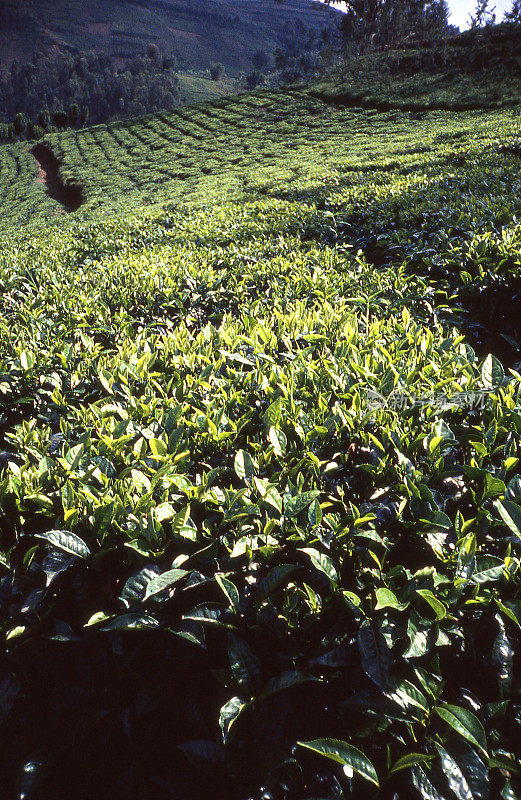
<point>260,442</point>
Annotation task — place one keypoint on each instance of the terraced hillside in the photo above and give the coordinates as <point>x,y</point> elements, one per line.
<point>260,457</point>
<point>289,146</point>
<point>22,196</point>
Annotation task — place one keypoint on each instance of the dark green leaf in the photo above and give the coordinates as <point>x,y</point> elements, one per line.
<point>409,760</point>
<point>135,587</point>
<point>285,681</point>
<point>206,754</point>
<point>228,715</point>
<point>296,504</point>
<point>127,622</point>
<point>511,514</point>
<point>245,666</point>
<point>425,788</point>
<point>276,577</point>
<point>375,654</point>
<point>492,372</point>
<point>229,589</point>
<point>67,541</point>
<point>437,606</point>
<point>464,723</point>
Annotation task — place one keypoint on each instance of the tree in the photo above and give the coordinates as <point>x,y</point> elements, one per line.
<point>74,115</point>
<point>362,20</point>
<point>20,124</point>
<point>34,131</point>
<point>483,15</point>
<point>60,119</point>
<point>153,53</point>
<point>389,22</point>
<point>436,19</point>
<point>260,60</point>
<point>514,15</point>
<point>294,36</point>
<point>168,63</point>
<point>253,80</point>
<point>44,119</point>
<point>89,86</point>
<point>216,71</point>
<point>281,58</point>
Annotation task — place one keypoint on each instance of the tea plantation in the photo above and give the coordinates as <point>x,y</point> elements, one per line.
<point>260,442</point>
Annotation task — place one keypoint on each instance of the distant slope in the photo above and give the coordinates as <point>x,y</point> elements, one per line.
<point>229,31</point>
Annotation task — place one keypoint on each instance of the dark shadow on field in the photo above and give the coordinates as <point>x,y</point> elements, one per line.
<point>406,227</point>
<point>69,193</point>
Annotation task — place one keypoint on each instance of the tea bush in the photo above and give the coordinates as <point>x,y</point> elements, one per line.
<point>260,459</point>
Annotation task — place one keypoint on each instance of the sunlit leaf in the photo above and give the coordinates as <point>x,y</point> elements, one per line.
<point>67,541</point>
<point>345,754</point>
<point>465,723</point>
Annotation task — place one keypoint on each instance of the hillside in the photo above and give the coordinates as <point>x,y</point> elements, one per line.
<point>476,69</point>
<point>260,454</point>
<point>228,31</point>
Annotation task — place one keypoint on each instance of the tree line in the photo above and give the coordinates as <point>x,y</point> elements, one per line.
<point>391,23</point>
<point>485,14</point>
<point>62,90</point>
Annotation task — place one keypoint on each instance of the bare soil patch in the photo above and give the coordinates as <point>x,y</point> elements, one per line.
<point>69,194</point>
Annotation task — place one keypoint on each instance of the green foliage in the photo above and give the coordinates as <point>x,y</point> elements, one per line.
<point>216,71</point>
<point>20,124</point>
<point>475,69</point>
<point>93,86</point>
<point>257,536</point>
<point>385,23</point>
